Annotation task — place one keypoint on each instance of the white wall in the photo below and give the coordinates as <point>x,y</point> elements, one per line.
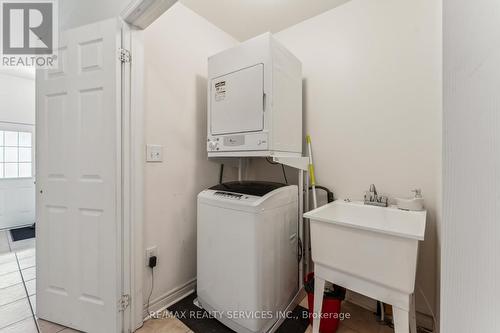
<point>177,46</point>
<point>74,13</point>
<point>17,96</point>
<point>470,297</point>
<point>372,104</point>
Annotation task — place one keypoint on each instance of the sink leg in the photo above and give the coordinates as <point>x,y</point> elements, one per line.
<point>401,320</point>
<point>319,289</point>
<point>413,315</point>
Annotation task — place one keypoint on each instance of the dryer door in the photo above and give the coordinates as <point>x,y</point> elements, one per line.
<point>237,101</point>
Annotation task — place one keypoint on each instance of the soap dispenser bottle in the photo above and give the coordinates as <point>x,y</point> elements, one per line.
<point>413,204</point>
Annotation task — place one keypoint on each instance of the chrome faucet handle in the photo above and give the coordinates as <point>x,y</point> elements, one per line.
<point>418,192</point>
<point>384,199</point>
<point>373,189</point>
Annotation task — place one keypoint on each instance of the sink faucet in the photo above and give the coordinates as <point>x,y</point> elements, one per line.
<point>372,198</point>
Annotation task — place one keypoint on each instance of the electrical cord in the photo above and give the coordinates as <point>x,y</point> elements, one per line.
<point>221,174</point>
<point>151,291</point>
<point>329,194</point>
<point>301,250</point>
<point>284,174</point>
<point>428,305</point>
<point>282,168</point>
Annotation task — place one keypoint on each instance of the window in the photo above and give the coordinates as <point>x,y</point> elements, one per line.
<point>16,154</point>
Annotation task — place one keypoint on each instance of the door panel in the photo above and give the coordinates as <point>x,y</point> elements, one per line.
<point>79,181</point>
<point>237,101</point>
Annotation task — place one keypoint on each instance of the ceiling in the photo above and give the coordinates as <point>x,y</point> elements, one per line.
<point>244,19</point>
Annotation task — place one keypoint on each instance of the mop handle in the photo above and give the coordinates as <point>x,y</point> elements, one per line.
<point>311,171</point>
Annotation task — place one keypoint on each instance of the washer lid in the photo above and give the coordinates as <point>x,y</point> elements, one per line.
<point>255,188</point>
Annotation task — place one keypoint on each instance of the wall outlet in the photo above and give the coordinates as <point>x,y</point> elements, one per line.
<point>151,252</point>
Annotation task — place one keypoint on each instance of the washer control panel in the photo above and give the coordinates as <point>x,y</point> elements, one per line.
<point>229,195</point>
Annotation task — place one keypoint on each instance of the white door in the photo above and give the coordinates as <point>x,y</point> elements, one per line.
<point>79,181</point>
<point>237,101</point>
<point>17,185</point>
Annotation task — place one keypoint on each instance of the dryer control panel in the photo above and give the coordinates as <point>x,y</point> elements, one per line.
<point>250,141</point>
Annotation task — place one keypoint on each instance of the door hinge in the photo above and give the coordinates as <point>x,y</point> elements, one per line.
<point>124,55</point>
<point>124,303</point>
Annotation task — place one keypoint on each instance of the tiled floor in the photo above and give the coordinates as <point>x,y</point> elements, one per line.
<point>361,321</point>
<point>18,294</point>
<point>18,289</point>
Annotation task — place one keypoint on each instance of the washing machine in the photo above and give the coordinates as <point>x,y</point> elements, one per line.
<point>247,253</point>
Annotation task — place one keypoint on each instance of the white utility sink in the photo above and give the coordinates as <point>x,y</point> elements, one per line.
<point>370,250</point>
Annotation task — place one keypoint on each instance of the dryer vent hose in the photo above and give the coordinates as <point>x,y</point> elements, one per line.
<point>329,194</point>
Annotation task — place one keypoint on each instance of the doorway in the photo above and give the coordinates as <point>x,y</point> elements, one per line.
<point>78,275</point>
<point>17,199</point>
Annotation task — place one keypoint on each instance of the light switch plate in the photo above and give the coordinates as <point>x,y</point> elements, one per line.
<point>154,153</point>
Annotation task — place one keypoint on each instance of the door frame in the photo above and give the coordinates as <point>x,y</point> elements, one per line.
<point>133,156</point>
<point>133,175</point>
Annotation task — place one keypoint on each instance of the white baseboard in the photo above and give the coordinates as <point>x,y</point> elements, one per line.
<point>362,301</point>
<point>423,320</point>
<point>169,298</point>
